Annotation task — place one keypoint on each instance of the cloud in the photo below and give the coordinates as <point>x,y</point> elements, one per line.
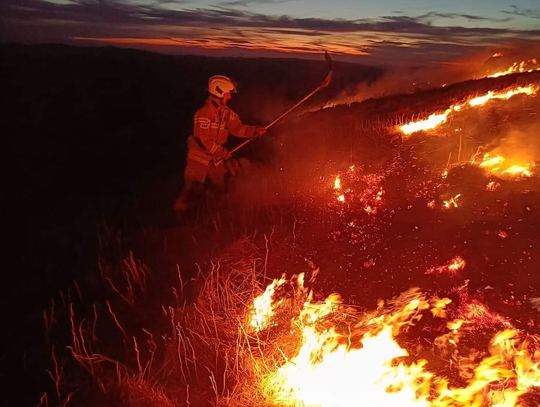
<point>522,12</point>
<point>173,24</point>
<point>469,17</point>
<point>245,3</point>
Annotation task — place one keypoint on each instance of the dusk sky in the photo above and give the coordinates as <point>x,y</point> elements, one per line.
<point>373,32</point>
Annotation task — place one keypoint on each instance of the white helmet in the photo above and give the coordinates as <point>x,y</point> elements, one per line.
<point>218,85</point>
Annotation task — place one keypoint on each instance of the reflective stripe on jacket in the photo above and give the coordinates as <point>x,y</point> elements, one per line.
<point>211,127</point>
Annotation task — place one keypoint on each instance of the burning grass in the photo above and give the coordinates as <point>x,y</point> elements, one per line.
<point>255,336</point>
<point>245,342</point>
<point>436,119</point>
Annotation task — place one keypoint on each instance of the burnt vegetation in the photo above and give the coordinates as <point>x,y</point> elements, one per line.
<point>114,301</point>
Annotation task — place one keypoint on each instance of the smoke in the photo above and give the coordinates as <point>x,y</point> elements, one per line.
<point>508,129</point>
<point>519,146</point>
<point>524,53</point>
<point>401,80</point>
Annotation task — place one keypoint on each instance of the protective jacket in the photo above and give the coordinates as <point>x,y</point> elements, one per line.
<point>211,127</point>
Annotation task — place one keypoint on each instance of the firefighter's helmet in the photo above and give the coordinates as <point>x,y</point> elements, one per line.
<point>218,85</point>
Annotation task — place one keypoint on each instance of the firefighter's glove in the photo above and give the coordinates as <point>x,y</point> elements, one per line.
<point>260,131</point>
<point>222,154</point>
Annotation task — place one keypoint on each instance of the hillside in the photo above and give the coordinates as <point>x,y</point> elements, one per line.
<point>348,246</point>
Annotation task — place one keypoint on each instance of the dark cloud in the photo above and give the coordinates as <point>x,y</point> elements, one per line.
<point>245,3</point>
<point>285,31</point>
<point>470,17</point>
<point>227,26</point>
<point>114,11</point>
<point>522,12</point>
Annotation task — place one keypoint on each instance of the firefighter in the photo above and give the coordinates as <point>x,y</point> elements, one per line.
<point>207,157</point>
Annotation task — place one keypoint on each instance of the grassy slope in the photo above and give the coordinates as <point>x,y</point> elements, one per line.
<point>97,133</point>
<point>95,141</point>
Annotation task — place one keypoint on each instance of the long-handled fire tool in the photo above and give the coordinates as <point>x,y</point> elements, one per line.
<point>323,84</point>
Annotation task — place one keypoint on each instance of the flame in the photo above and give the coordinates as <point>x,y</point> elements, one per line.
<point>482,100</point>
<point>457,264</point>
<point>517,67</point>
<point>518,170</point>
<point>337,188</point>
<point>263,305</point>
<point>494,165</point>
<point>452,202</point>
<point>337,183</point>
<point>489,161</point>
<point>365,365</point>
<point>433,121</point>
<point>493,186</point>
<point>436,119</point>
<point>369,198</point>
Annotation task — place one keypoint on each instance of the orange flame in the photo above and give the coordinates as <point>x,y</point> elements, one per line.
<point>489,161</point>
<point>493,186</point>
<point>433,121</point>
<point>364,365</point>
<point>452,202</point>
<point>518,170</point>
<point>337,183</point>
<point>457,264</point>
<point>517,67</point>
<point>494,165</point>
<point>263,306</point>
<point>436,119</point>
<point>482,100</point>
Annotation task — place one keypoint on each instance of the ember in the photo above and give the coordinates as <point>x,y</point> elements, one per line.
<point>370,197</point>
<point>492,186</point>
<point>337,183</point>
<point>452,202</point>
<point>457,264</point>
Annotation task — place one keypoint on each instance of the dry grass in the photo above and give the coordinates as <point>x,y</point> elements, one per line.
<point>209,356</point>
<point>213,345</point>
